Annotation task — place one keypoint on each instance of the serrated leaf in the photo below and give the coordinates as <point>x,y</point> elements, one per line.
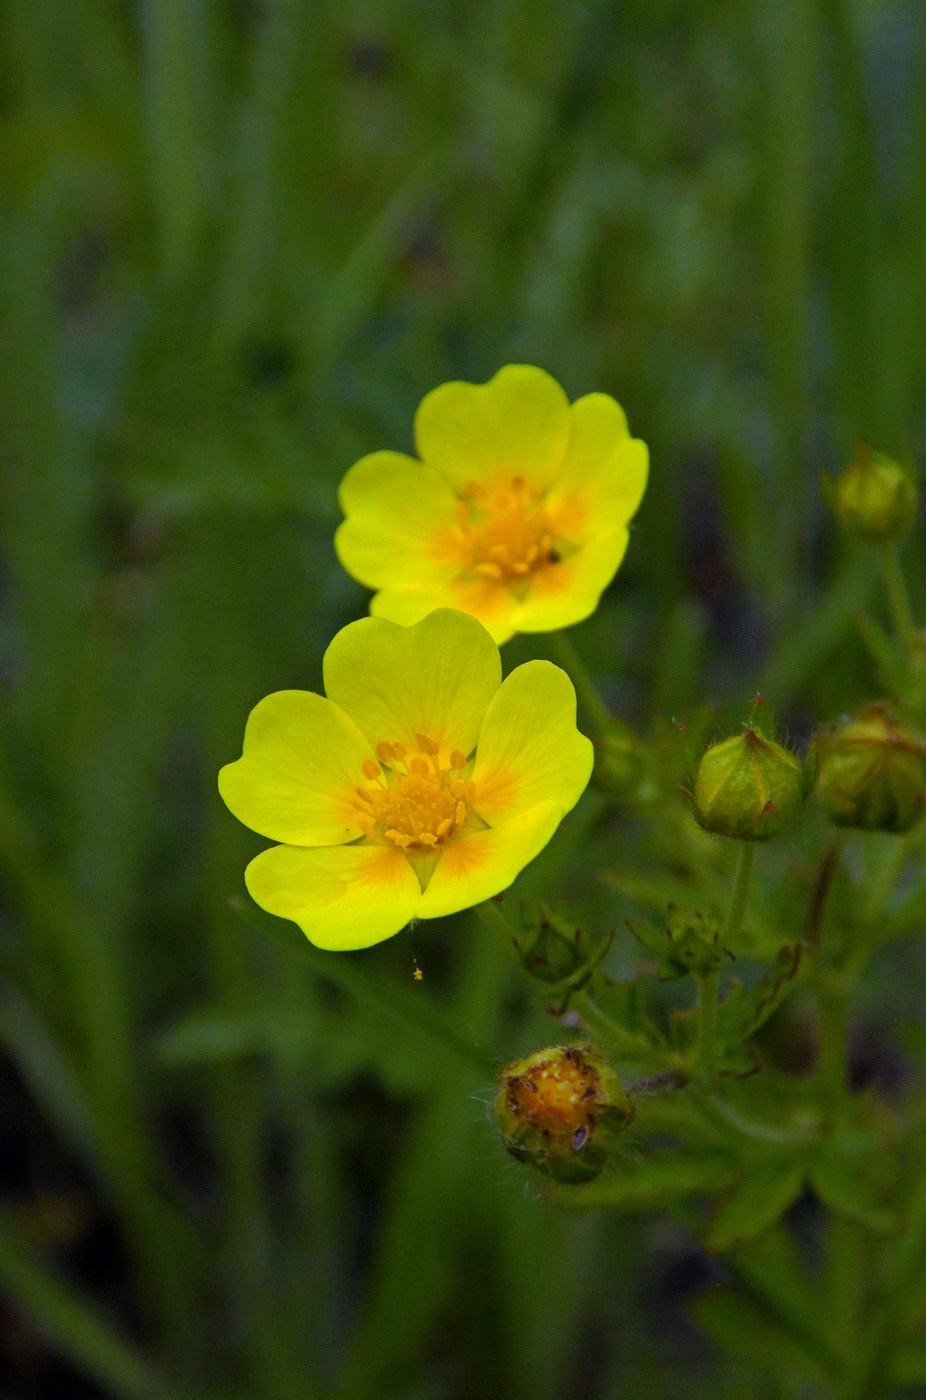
<point>757,1200</point>
<point>744,1327</point>
<point>647,1182</point>
<point>746,1009</point>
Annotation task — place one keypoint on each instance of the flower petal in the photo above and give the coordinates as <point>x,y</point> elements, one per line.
<point>481,863</point>
<point>516,425</point>
<point>342,897</point>
<point>296,779</point>
<point>435,678</point>
<point>569,591</point>
<point>486,599</point>
<point>529,750</point>
<point>401,522</point>
<point>603,475</point>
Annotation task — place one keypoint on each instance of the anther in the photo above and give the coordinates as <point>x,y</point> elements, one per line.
<point>387,753</point>
<point>425,744</point>
<point>371,768</point>
<point>457,760</point>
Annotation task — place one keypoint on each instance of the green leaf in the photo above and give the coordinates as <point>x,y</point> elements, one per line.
<point>648,1182</point>
<point>847,1174</point>
<point>746,1009</point>
<point>742,1325</point>
<point>755,1203</point>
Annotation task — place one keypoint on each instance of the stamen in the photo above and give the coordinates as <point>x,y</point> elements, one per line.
<point>415,803</point>
<point>506,530</point>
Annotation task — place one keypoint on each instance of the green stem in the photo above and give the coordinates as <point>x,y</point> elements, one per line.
<point>707,1020</point>
<point>587,691</point>
<point>833,1024</point>
<point>898,598</point>
<point>734,919</point>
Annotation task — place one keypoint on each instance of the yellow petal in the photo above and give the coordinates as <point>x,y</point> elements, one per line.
<point>529,749</point>
<point>603,475</point>
<point>486,599</point>
<point>295,781</point>
<point>564,593</point>
<point>342,897</point>
<point>435,678</point>
<point>401,522</point>
<point>516,425</point>
<point>482,863</point>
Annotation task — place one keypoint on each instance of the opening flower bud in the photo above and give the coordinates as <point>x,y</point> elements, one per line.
<point>874,497</point>
<point>873,773</point>
<point>749,787</point>
<point>563,1111</point>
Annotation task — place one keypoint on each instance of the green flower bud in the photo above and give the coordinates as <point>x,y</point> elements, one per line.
<point>555,948</point>
<point>686,945</point>
<point>874,497</point>
<point>563,1111</point>
<point>873,773</point>
<point>749,787</point>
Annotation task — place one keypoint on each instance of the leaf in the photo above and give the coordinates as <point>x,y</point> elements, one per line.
<point>746,1009</point>
<point>847,1176</point>
<point>625,1005</point>
<point>647,1182</point>
<point>755,1203</point>
<point>741,1325</point>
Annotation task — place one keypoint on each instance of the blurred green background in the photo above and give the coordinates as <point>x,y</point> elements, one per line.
<point>240,240</point>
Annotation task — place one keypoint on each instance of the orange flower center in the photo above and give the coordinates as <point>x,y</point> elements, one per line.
<point>411,801</point>
<point>558,1096</point>
<point>506,530</point>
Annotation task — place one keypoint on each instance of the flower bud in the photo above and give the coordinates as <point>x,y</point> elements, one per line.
<point>873,773</point>
<point>874,497</point>
<point>749,787</point>
<point>555,948</point>
<point>563,1110</point>
<point>686,945</point>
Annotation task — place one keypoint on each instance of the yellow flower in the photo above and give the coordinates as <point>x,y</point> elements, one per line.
<point>517,511</point>
<point>422,784</point>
